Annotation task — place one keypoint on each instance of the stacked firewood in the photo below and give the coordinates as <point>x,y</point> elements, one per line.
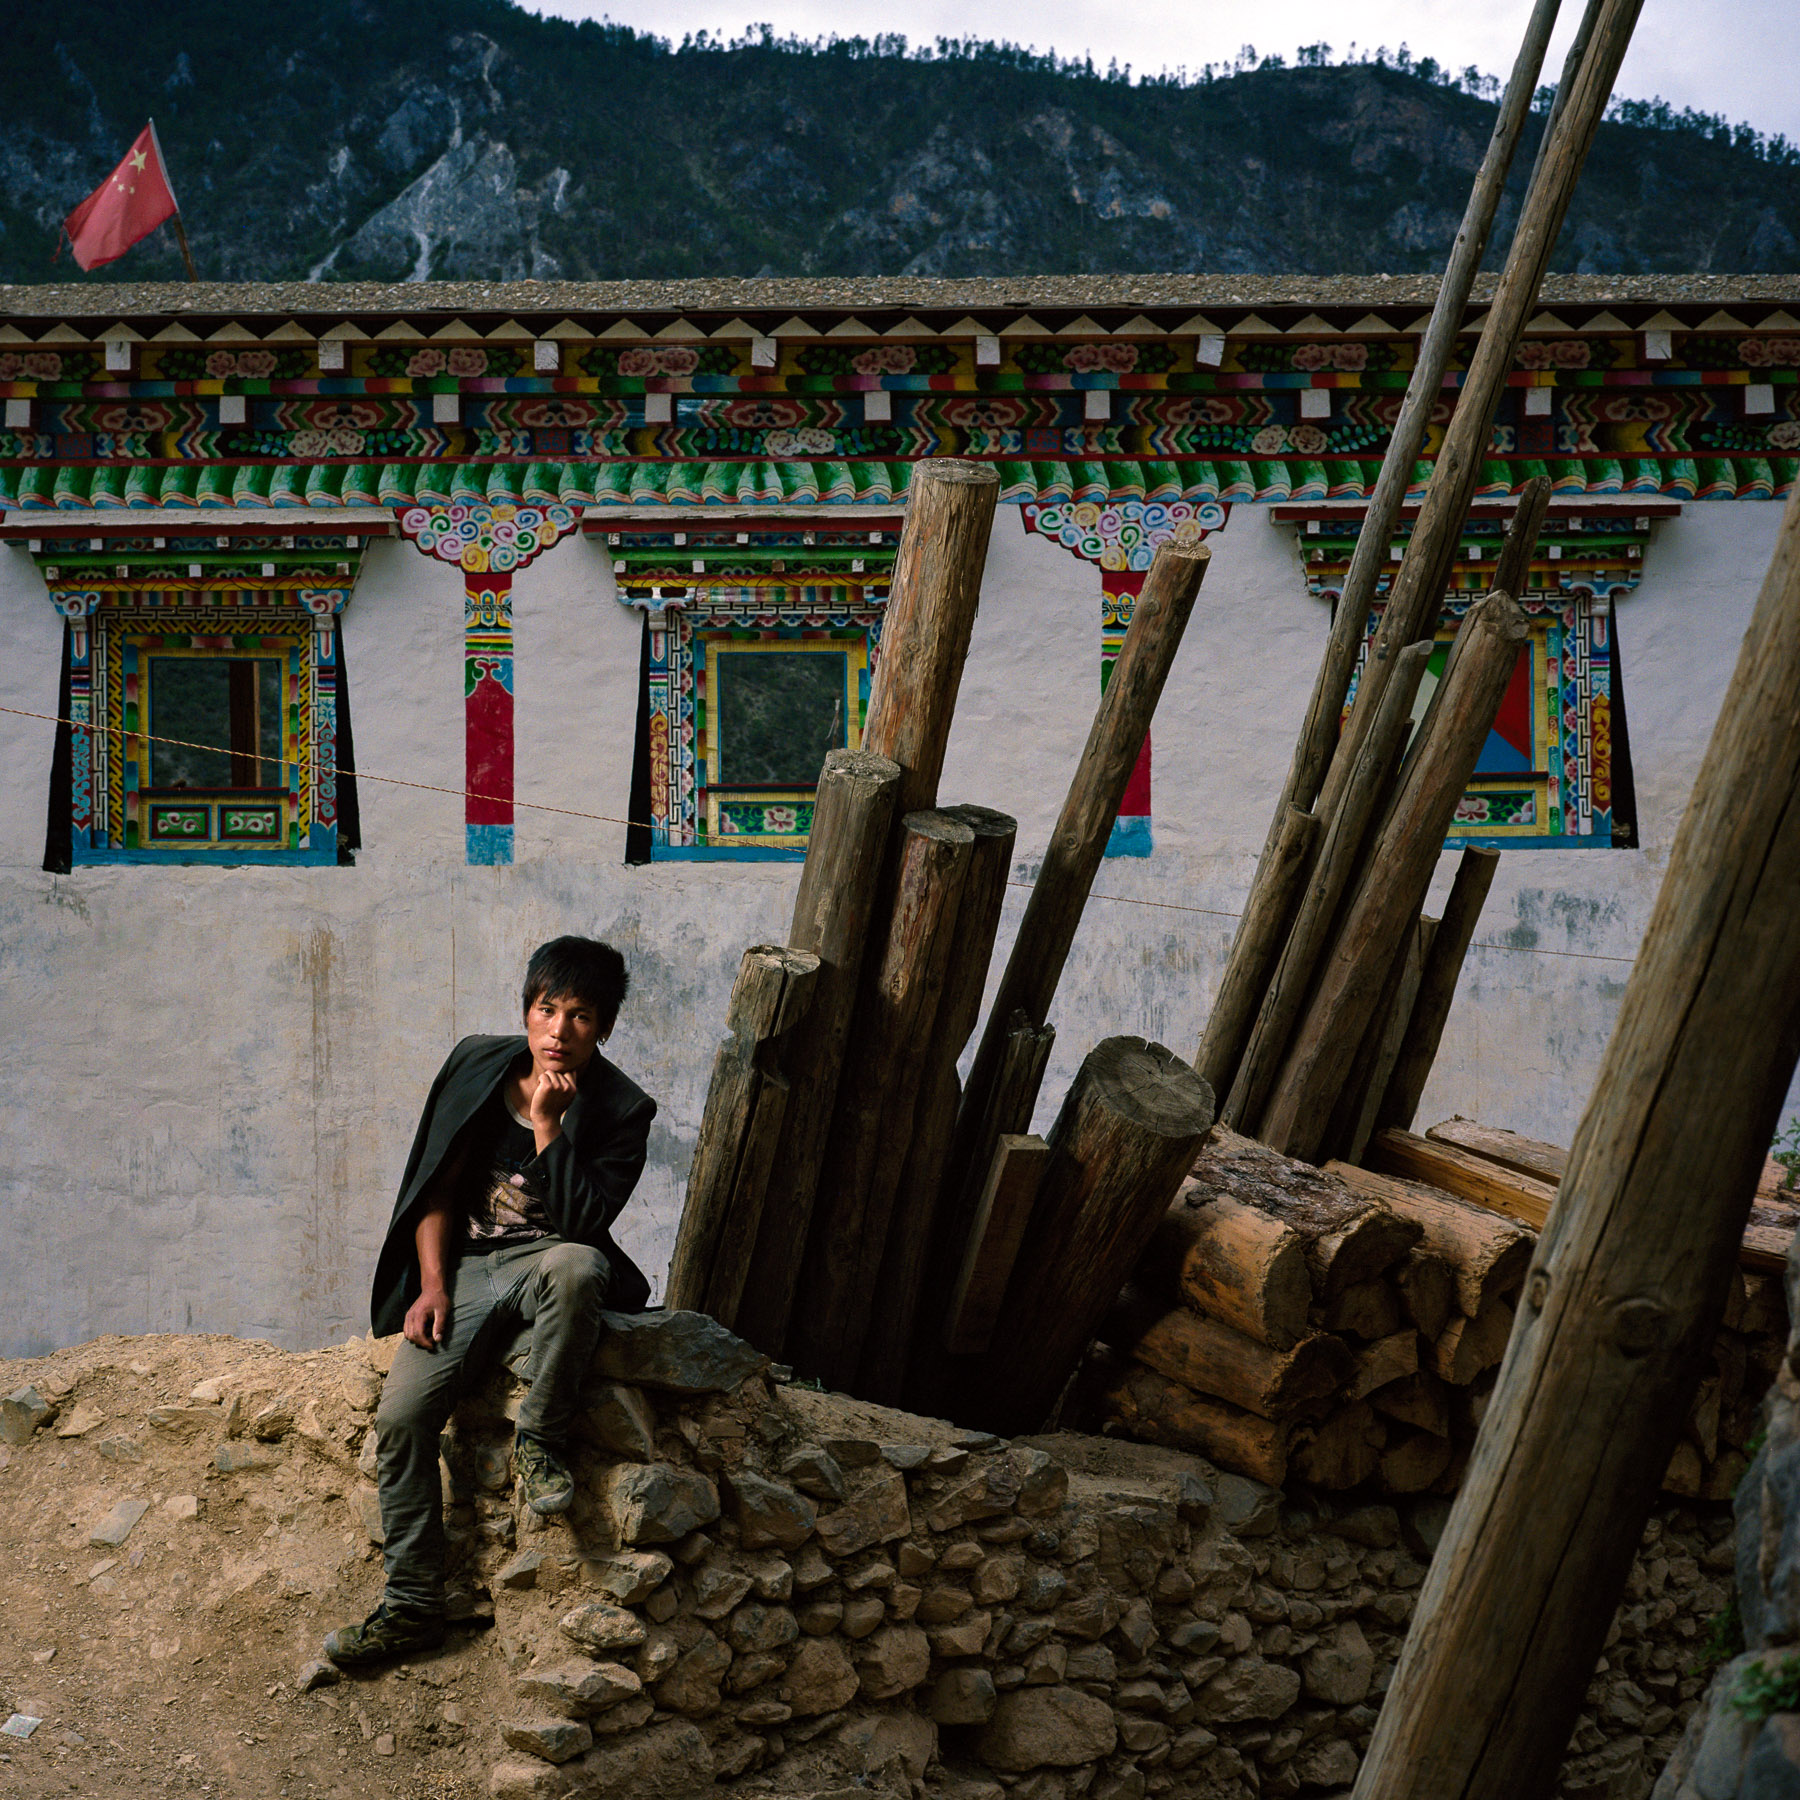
<point>1345,1327</point>
<point>851,1209</point>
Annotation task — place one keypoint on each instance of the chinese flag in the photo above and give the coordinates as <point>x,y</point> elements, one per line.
<point>129,204</point>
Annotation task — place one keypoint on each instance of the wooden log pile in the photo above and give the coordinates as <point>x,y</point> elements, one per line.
<point>1344,1326</point>
<point>851,1209</point>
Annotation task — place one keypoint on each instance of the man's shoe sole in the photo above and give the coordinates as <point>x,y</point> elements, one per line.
<point>549,1505</point>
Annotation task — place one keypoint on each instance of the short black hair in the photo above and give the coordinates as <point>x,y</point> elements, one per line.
<point>583,968</point>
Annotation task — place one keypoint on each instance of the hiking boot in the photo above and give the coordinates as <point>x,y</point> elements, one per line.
<point>386,1633</point>
<point>545,1482</point>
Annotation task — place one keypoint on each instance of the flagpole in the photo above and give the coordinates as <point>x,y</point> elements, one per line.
<point>181,238</point>
<point>187,256</point>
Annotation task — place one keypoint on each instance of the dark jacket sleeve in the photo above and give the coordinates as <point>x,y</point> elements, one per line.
<point>586,1179</point>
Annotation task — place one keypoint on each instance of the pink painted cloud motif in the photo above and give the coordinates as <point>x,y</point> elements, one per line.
<point>988,413</point>
<point>40,365</point>
<point>465,359</point>
<point>1307,440</point>
<point>1119,359</point>
<point>1771,353</point>
<point>886,359</point>
<point>1308,357</point>
<point>1083,359</point>
<point>637,362</point>
<point>677,359</point>
<point>1350,357</point>
<point>425,363</point>
<point>1785,436</point>
<point>1270,441</point>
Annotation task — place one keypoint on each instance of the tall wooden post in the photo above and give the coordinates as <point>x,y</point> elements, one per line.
<point>895,1301</point>
<point>1631,1273</point>
<point>929,616</point>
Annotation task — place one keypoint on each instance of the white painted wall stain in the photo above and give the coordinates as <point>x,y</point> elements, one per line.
<point>215,1074</point>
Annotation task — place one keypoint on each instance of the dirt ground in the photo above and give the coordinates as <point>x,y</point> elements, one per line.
<point>171,1664</point>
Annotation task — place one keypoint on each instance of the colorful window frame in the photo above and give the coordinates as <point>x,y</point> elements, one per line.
<point>116,813</point>
<point>694,815</point>
<point>1545,778</point>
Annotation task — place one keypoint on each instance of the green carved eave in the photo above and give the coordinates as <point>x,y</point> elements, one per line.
<point>329,486</point>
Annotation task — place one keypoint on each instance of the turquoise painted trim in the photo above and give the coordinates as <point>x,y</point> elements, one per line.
<point>707,853</point>
<point>217,859</point>
<point>1598,841</point>
<point>489,846</point>
<point>1131,837</point>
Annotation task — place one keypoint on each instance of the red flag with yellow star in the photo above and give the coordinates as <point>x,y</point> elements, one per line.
<point>129,204</point>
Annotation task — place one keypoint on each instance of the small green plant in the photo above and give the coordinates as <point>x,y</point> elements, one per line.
<point>1786,1151</point>
<point>1762,1690</point>
<point>1724,1638</point>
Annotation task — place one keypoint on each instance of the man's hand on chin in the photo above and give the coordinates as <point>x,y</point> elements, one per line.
<point>428,1320</point>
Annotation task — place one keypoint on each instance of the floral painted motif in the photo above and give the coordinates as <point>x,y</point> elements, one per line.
<point>642,361</point>
<point>228,365</point>
<point>48,365</point>
<point>1352,356</point>
<point>876,359</point>
<point>810,440</point>
<point>425,362</point>
<point>1771,352</point>
<point>764,412</point>
<point>1114,357</point>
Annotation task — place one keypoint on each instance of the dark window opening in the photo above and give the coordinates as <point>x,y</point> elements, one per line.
<point>778,713</point>
<point>1624,787</point>
<point>215,722</point>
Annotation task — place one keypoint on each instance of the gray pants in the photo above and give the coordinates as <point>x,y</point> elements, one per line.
<point>557,1288</point>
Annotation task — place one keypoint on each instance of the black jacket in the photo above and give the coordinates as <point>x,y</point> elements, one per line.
<point>584,1176</point>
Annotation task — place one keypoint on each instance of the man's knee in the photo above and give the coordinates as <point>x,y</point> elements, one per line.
<point>576,1269</point>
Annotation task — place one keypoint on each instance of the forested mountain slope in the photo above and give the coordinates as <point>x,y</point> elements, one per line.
<point>469,139</point>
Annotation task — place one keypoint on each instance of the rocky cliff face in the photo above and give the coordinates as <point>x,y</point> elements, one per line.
<point>383,138</point>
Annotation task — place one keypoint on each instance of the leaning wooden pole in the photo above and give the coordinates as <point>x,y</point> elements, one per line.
<point>1631,1273</point>
<point>1072,857</point>
<point>1253,951</point>
<point>1339,860</point>
<point>1395,878</point>
<point>1418,588</point>
<point>1437,987</point>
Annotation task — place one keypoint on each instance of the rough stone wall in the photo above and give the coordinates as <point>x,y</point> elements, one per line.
<point>803,1579</point>
<point>1743,1741</point>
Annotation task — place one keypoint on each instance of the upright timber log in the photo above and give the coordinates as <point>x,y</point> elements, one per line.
<point>852,817</point>
<point>903,979</point>
<point>740,1130</point>
<point>894,1303</point>
<point>1257,943</point>
<point>928,619</point>
<point>1631,1275</point>
<point>1127,1134</point>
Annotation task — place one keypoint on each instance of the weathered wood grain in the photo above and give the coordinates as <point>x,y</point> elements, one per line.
<point>1001,1216</point>
<point>773,990</point>
<point>929,616</point>
<point>1632,1271</point>
<point>1126,1135</point>
<point>1392,887</point>
<point>903,982</point>
<point>852,814</point>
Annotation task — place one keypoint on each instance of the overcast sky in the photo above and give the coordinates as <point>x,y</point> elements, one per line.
<point>1736,57</point>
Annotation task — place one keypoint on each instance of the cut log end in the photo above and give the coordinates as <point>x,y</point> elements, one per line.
<point>1149,1085</point>
<point>954,469</point>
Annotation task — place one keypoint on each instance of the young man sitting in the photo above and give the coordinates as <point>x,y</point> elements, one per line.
<point>528,1149</point>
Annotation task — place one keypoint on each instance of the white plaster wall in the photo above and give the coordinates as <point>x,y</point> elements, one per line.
<point>216,1073</point>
